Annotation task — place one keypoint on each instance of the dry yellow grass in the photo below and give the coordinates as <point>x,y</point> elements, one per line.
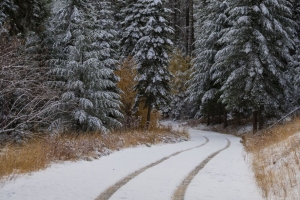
<point>275,160</point>
<point>39,153</point>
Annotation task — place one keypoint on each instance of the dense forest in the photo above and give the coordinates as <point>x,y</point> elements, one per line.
<point>87,65</point>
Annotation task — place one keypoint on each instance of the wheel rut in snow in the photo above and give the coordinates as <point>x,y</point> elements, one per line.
<point>180,191</point>
<point>111,190</point>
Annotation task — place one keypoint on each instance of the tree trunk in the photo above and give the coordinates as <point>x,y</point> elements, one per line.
<point>148,115</point>
<point>260,118</point>
<point>187,26</point>
<point>225,118</point>
<point>208,118</point>
<point>220,113</point>
<point>191,27</point>
<point>238,115</point>
<point>254,122</point>
<point>175,23</point>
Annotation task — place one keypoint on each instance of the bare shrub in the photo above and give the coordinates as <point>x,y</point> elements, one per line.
<point>25,99</point>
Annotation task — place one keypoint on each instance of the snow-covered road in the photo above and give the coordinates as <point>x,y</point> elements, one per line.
<point>144,173</point>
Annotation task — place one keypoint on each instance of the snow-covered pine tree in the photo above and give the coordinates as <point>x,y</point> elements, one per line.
<point>22,16</point>
<point>120,9</point>
<point>146,37</point>
<point>210,23</point>
<point>296,64</point>
<point>296,14</point>
<point>296,17</point>
<point>84,63</point>
<point>252,65</point>
<point>131,33</point>
<point>6,7</point>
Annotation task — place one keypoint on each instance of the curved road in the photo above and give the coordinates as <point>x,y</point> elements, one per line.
<point>211,167</point>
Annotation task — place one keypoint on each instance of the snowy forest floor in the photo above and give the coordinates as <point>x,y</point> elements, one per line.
<point>214,162</point>
<point>40,152</point>
<point>210,166</point>
<point>275,160</point>
<point>273,155</point>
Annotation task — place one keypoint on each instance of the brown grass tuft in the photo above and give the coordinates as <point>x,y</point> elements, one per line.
<point>276,160</point>
<point>40,152</point>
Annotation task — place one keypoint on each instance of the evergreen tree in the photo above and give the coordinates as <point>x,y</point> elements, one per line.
<point>6,7</point>
<point>131,33</point>
<point>252,66</point>
<point>296,64</point>
<point>145,37</point>
<point>211,21</point>
<point>22,16</point>
<point>296,14</point>
<point>84,63</point>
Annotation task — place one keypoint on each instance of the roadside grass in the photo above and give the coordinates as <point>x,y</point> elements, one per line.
<point>40,152</point>
<point>275,159</point>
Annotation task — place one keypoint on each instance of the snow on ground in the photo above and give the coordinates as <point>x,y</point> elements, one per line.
<point>226,175</point>
<point>85,180</point>
<point>160,181</point>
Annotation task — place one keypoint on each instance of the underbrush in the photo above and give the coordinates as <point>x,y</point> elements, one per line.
<point>275,158</point>
<point>39,152</point>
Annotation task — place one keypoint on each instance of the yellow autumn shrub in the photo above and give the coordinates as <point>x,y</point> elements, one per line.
<point>127,73</point>
<point>180,66</point>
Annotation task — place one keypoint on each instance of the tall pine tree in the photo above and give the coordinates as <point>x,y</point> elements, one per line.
<point>296,64</point>
<point>146,37</point>
<point>253,64</point>
<point>211,21</point>
<point>131,33</point>
<point>84,63</point>
<point>22,16</point>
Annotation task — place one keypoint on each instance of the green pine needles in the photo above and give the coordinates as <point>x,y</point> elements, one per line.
<point>84,61</point>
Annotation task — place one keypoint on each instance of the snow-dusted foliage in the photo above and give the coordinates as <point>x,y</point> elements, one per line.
<point>84,62</point>
<point>5,7</point>
<point>22,16</point>
<point>252,66</point>
<point>296,64</point>
<point>296,14</point>
<point>146,37</point>
<point>211,21</point>
<point>131,32</point>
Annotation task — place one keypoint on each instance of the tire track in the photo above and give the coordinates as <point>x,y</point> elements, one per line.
<point>111,190</point>
<point>180,191</point>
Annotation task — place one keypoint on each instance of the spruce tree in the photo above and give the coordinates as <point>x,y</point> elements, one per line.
<point>23,16</point>
<point>145,37</point>
<point>253,64</point>
<point>296,14</point>
<point>296,64</point>
<point>84,62</point>
<point>131,33</point>
<point>7,7</point>
<point>210,23</point>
